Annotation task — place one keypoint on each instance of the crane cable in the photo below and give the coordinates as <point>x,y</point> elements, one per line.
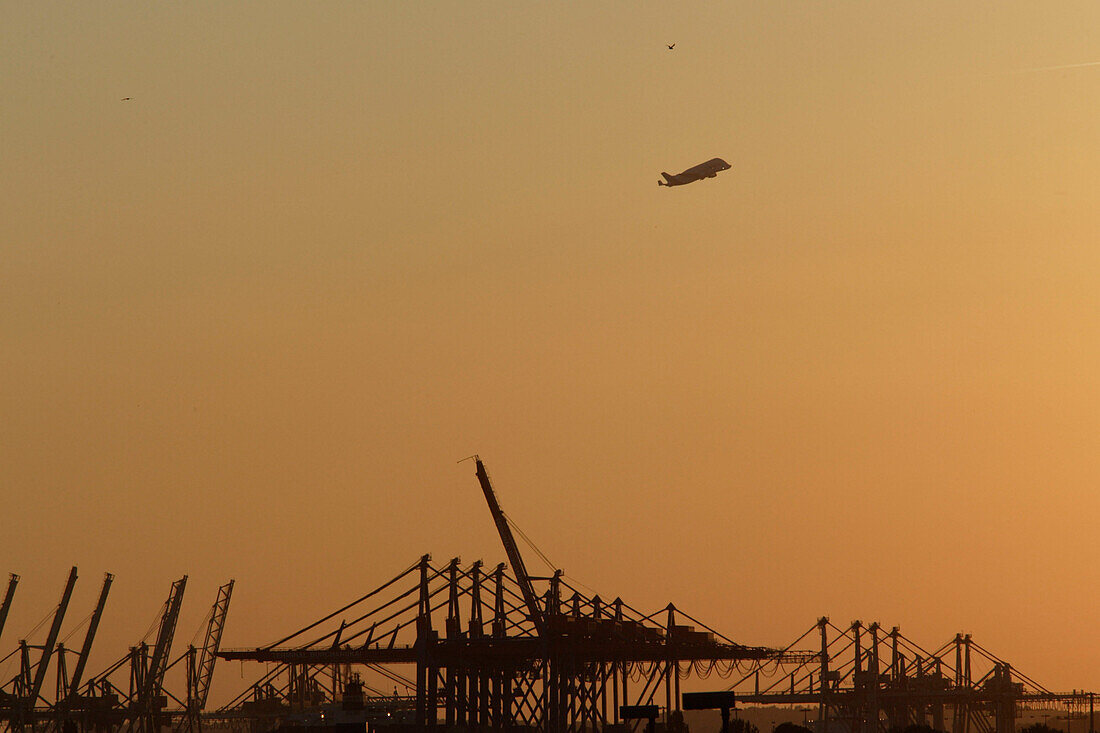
<point>529,541</point>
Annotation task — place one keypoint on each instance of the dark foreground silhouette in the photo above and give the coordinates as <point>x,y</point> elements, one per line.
<point>791,728</point>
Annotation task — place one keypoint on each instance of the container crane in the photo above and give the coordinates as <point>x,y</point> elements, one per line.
<point>82,661</point>
<point>18,708</point>
<point>147,699</point>
<point>534,611</point>
<point>51,639</point>
<point>69,701</point>
<point>201,672</point>
<point>163,646</point>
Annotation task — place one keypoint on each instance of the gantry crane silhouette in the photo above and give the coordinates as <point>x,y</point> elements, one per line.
<point>521,651</point>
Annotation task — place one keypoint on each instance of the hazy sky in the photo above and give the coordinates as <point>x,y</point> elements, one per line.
<point>251,318</point>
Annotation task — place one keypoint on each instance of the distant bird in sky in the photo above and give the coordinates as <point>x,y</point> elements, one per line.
<point>126,99</point>
<point>671,46</point>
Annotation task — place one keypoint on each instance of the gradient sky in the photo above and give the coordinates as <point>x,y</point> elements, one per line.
<point>250,319</point>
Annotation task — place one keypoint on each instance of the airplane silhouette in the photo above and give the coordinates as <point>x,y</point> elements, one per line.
<point>672,47</point>
<point>710,169</point>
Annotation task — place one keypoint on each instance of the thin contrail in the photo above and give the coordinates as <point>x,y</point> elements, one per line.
<point>1056,68</point>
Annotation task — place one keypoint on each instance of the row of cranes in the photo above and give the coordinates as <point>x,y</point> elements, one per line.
<point>130,694</point>
<point>865,678</point>
<point>514,651</point>
<point>520,652</point>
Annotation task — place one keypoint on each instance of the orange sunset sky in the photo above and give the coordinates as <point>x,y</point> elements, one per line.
<point>252,317</point>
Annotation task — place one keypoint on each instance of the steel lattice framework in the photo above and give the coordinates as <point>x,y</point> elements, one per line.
<point>129,695</point>
<point>867,679</point>
<point>468,647</point>
<point>514,650</point>
<point>490,666</point>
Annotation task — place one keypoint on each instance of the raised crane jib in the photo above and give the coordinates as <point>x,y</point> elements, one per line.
<point>13,580</point>
<point>514,558</point>
<point>212,643</point>
<point>51,638</point>
<point>158,663</point>
<point>89,637</point>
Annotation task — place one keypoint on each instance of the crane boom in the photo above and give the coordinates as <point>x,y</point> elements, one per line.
<point>213,642</point>
<point>13,580</point>
<point>158,663</point>
<point>510,547</point>
<point>51,639</point>
<point>93,625</point>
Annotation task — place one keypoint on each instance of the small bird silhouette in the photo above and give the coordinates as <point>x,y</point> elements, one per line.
<point>671,46</point>
<point>126,99</point>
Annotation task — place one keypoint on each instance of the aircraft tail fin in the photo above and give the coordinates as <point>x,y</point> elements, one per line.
<point>668,180</point>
